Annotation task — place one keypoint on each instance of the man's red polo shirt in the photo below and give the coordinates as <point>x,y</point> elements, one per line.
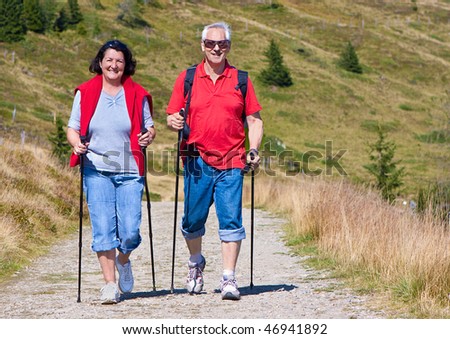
<point>215,115</point>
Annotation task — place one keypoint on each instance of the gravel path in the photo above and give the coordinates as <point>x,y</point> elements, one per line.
<point>283,287</point>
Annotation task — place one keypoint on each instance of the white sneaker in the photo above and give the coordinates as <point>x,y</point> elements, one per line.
<point>126,280</point>
<point>229,289</point>
<point>109,294</point>
<point>194,282</point>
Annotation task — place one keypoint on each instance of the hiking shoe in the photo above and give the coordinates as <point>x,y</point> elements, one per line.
<point>229,289</point>
<point>126,280</point>
<point>109,294</point>
<point>194,282</point>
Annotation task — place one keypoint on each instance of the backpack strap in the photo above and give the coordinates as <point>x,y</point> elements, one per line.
<point>242,85</point>
<point>242,82</point>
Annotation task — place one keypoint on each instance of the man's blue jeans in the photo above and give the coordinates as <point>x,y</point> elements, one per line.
<point>205,185</point>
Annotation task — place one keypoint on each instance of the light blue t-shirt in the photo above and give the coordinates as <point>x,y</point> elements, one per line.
<point>109,133</point>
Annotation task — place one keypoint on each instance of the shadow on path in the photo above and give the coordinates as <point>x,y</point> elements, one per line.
<point>259,289</point>
<point>149,294</point>
<point>246,290</point>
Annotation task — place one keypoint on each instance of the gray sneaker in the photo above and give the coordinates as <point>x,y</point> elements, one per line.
<point>229,289</point>
<point>126,280</point>
<point>109,294</point>
<point>194,282</point>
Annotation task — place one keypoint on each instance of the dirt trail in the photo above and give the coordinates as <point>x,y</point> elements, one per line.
<point>284,288</point>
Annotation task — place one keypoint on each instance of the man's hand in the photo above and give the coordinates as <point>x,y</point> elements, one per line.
<point>253,158</point>
<point>175,122</point>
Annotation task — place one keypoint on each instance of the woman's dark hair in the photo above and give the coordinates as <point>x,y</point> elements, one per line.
<point>130,63</point>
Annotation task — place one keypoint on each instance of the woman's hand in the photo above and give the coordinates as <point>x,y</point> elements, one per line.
<point>80,148</point>
<point>74,139</point>
<point>146,138</point>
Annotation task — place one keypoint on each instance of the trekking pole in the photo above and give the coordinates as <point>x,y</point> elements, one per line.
<point>252,215</point>
<point>177,170</point>
<point>150,233</point>
<point>80,232</point>
<point>252,226</point>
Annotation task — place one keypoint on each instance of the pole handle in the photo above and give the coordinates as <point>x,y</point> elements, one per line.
<point>246,169</point>
<point>143,131</point>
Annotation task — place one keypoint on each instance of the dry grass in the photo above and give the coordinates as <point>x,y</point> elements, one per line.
<point>38,203</point>
<point>392,247</point>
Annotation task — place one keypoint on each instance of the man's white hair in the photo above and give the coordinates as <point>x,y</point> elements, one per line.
<point>221,25</point>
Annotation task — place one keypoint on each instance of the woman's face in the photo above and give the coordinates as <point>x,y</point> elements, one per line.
<point>113,65</point>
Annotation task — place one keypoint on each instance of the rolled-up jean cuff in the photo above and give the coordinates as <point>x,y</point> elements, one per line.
<point>129,249</point>
<point>103,247</point>
<point>193,235</point>
<point>232,235</point>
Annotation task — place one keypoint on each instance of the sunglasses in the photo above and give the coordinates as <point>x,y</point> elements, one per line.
<point>223,44</point>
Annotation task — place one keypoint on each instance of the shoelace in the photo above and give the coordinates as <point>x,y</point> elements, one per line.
<point>195,273</point>
<point>127,272</point>
<point>229,282</point>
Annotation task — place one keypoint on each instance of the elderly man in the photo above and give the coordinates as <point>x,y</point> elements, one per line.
<point>216,143</point>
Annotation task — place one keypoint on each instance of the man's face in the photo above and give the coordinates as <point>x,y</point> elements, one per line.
<point>215,46</point>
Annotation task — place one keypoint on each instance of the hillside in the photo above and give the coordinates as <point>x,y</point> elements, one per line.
<point>405,55</point>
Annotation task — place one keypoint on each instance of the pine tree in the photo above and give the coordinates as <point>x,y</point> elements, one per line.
<point>276,74</point>
<point>11,26</point>
<point>33,16</point>
<point>75,15</point>
<point>388,176</point>
<point>61,23</point>
<point>49,11</point>
<point>349,60</point>
<point>61,148</point>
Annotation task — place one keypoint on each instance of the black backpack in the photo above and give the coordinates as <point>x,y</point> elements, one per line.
<point>189,80</point>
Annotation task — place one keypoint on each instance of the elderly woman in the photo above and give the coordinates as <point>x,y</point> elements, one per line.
<point>109,112</point>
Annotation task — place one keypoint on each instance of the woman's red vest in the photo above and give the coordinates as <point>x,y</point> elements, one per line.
<point>134,97</point>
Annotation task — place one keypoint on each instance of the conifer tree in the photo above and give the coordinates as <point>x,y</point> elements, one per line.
<point>33,16</point>
<point>388,176</point>
<point>61,23</point>
<point>11,25</point>
<point>61,148</point>
<point>49,11</point>
<point>349,60</point>
<point>74,16</point>
<point>276,74</point>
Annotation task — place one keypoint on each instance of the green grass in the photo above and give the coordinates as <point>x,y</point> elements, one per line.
<point>405,65</point>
